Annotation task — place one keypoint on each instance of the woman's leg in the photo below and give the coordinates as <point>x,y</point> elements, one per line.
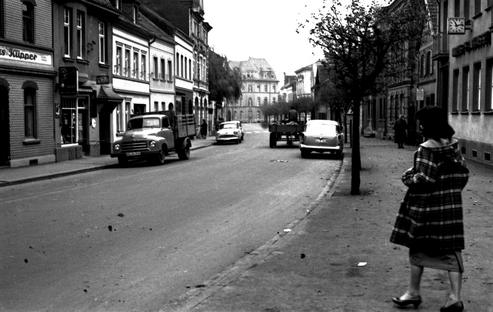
<point>415,280</point>
<point>456,287</point>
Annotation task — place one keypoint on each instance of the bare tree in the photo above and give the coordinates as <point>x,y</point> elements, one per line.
<point>358,39</point>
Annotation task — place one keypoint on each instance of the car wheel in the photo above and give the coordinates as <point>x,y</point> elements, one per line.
<point>305,153</point>
<point>160,158</point>
<point>122,161</point>
<point>272,140</point>
<point>184,154</point>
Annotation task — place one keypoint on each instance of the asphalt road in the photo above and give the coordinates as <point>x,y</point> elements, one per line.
<point>133,239</point>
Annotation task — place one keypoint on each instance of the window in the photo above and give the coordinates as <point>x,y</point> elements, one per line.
<point>2,20</point>
<point>28,22</point>
<point>118,65</point>
<point>170,70</point>
<point>80,34</point>
<point>155,68</point>
<point>465,89</point>
<point>181,66</point>
<point>477,6</point>
<point>185,69</point>
<point>266,88</point>
<point>135,70</point>
<point>163,106</point>
<point>457,8</point>
<point>102,42</point>
<point>455,90</point>
<point>30,109</point>
<point>489,86</point>
<point>429,63</point>
<point>67,20</point>
<point>265,101</point>
<point>117,4</point>
<point>74,120</point>
<point>476,102</point>
<point>466,9</point>
<point>190,69</point>
<point>126,70</point>
<point>177,63</point>
<point>143,68</point>
<point>163,70</point>
<point>156,106</point>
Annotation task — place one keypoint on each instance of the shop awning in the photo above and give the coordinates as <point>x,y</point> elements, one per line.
<point>107,94</point>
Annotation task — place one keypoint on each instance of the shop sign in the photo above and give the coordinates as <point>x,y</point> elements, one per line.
<point>475,43</point>
<point>69,79</point>
<point>420,94</point>
<point>14,54</point>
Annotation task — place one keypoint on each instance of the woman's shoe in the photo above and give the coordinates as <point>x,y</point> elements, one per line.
<point>402,303</point>
<point>456,307</point>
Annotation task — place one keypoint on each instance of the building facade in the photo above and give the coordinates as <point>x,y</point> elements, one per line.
<point>27,78</point>
<point>130,55</point>
<point>84,96</point>
<point>259,87</point>
<point>470,75</point>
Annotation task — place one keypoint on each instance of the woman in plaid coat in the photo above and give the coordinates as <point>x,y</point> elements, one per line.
<point>430,221</point>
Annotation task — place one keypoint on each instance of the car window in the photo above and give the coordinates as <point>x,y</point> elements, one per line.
<point>139,123</point>
<point>227,126</point>
<point>327,129</point>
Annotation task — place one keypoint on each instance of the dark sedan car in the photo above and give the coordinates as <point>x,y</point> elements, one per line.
<point>322,136</point>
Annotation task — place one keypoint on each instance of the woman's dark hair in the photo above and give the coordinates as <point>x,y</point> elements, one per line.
<point>434,123</point>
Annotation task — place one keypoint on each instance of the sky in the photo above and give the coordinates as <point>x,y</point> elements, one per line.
<point>263,29</point>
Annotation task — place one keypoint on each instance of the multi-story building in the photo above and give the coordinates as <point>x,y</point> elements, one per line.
<point>162,64</point>
<point>259,87</point>
<point>305,80</point>
<point>287,93</point>
<point>84,95</point>
<point>130,54</point>
<point>188,17</point>
<point>464,54</point>
<point>26,83</point>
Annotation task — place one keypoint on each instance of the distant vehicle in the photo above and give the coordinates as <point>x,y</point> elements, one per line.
<point>230,131</point>
<point>322,136</point>
<point>288,131</point>
<point>154,135</point>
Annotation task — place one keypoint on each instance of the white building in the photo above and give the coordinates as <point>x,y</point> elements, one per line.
<point>183,73</point>
<point>161,67</point>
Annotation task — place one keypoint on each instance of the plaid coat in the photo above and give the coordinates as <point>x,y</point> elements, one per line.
<point>430,216</point>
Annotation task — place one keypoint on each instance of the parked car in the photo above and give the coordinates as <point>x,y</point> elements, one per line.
<point>323,136</point>
<point>230,131</point>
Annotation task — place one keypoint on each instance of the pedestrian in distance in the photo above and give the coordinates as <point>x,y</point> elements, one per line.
<point>400,127</point>
<point>203,129</point>
<point>430,218</point>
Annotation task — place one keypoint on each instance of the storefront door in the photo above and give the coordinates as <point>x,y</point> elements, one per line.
<point>4,125</point>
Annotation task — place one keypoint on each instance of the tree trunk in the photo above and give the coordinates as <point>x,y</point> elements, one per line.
<point>355,151</point>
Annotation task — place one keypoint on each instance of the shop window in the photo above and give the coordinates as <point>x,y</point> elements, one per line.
<point>476,104</point>
<point>30,120</point>
<point>74,120</point>
<point>28,21</point>
<point>80,34</point>
<point>67,28</point>
<point>102,42</point>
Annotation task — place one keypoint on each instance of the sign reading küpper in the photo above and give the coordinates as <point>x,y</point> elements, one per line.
<point>21,55</point>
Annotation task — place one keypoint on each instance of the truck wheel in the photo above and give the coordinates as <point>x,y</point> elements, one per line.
<point>272,140</point>
<point>184,153</point>
<point>122,161</point>
<point>160,158</point>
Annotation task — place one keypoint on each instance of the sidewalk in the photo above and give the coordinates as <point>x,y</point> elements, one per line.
<point>10,176</point>
<point>339,257</point>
